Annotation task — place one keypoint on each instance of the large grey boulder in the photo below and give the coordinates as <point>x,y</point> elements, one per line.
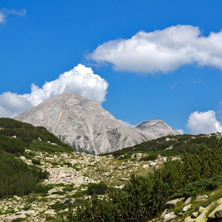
<point>216,214</point>
<point>86,126</point>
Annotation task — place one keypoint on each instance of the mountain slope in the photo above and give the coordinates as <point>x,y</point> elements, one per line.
<point>85,125</point>
<point>157,128</point>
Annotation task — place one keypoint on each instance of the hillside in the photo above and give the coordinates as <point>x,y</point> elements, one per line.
<point>169,145</point>
<point>15,137</point>
<point>69,186</point>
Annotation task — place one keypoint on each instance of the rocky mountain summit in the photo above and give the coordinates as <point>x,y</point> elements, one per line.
<point>157,128</point>
<point>86,126</point>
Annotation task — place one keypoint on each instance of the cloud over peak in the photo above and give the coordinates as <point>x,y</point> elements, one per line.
<point>162,50</point>
<point>80,80</point>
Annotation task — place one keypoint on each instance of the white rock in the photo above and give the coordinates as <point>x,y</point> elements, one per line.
<point>201,198</point>
<point>22,158</point>
<point>187,207</point>
<point>188,201</point>
<point>169,216</point>
<point>216,213</point>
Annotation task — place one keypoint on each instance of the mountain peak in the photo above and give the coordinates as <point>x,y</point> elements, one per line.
<point>86,126</point>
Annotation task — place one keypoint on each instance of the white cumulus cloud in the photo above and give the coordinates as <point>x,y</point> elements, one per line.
<point>204,122</point>
<point>80,80</point>
<point>162,50</point>
<point>4,13</point>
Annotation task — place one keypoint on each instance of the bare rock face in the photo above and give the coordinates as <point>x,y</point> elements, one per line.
<point>157,128</point>
<point>86,126</point>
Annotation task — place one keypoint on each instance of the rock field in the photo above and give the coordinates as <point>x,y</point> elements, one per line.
<point>69,174</point>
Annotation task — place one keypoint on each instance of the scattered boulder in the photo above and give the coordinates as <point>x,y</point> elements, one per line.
<point>201,198</point>
<point>195,214</point>
<point>172,203</point>
<point>203,216</point>
<point>151,163</point>
<point>216,214</point>
<point>189,219</point>
<point>164,213</point>
<point>187,207</point>
<point>15,217</point>
<point>22,158</point>
<point>50,212</point>
<point>188,201</point>
<point>54,190</point>
<point>201,209</point>
<point>169,216</point>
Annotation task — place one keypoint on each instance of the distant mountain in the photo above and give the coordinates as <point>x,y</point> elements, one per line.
<point>157,128</point>
<point>86,126</point>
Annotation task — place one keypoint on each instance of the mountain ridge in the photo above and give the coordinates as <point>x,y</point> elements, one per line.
<point>86,126</point>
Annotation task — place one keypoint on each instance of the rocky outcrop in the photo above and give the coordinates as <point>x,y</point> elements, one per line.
<point>86,126</point>
<point>212,212</point>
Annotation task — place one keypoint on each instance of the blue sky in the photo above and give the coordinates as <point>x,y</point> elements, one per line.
<point>179,80</point>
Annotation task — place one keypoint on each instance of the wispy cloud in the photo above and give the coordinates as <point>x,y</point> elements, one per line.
<point>200,82</point>
<point>173,85</point>
<point>162,50</point>
<point>4,13</point>
<point>80,80</point>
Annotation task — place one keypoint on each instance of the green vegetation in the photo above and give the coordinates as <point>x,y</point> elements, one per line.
<point>197,171</point>
<point>35,161</point>
<point>194,188</point>
<point>99,189</point>
<point>18,178</point>
<point>150,157</point>
<point>143,198</point>
<point>24,135</point>
<point>70,165</point>
<point>170,145</point>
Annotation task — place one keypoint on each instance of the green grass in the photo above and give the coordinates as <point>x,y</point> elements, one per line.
<point>37,145</point>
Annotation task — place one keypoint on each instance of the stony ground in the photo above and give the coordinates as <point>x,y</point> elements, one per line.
<point>70,173</point>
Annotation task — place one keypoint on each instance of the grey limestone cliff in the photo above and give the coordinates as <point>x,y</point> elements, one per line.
<point>87,127</point>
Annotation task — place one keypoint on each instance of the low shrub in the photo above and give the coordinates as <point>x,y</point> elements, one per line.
<point>17,177</point>
<point>100,188</point>
<point>43,189</point>
<point>148,158</point>
<point>194,188</point>
<point>36,161</point>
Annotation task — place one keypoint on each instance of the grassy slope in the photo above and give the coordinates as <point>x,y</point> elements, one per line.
<point>16,177</point>
<point>168,146</point>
